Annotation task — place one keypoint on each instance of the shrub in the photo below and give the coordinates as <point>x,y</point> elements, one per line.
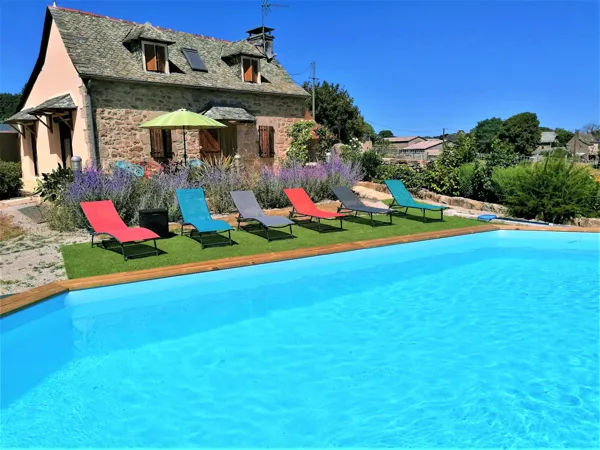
<point>325,142</point>
<point>410,177</point>
<point>553,190</point>
<point>10,179</point>
<point>130,193</point>
<point>370,162</point>
<point>351,152</point>
<point>466,174</point>
<point>442,179</point>
<point>52,186</point>
<point>301,134</point>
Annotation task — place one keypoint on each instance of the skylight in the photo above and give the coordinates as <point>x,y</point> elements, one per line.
<point>194,60</point>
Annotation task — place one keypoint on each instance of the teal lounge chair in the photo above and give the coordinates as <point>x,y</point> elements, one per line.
<point>403,200</point>
<point>194,210</point>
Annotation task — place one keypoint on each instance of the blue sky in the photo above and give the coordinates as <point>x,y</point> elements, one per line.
<point>414,67</point>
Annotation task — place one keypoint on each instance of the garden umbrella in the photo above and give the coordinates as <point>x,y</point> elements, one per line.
<point>184,119</point>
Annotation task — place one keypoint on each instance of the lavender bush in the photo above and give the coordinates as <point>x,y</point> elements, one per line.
<point>130,193</point>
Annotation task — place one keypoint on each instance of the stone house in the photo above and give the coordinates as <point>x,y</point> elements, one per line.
<point>97,79</point>
<point>585,146</point>
<point>400,142</point>
<point>426,150</point>
<point>547,141</point>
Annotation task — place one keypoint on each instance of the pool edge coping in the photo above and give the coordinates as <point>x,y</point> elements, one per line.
<point>23,300</point>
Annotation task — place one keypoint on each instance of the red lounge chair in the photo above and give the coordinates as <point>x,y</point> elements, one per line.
<point>302,205</point>
<point>104,219</point>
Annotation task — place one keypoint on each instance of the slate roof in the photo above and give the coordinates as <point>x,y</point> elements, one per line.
<point>241,48</point>
<point>55,103</point>
<point>548,137</point>
<point>401,138</point>
<point>146,31</point>
<point>95,45</point>
<point>423,145</point>
<point>229,113</point>
<point>587,138</point>
<point>21,116</point>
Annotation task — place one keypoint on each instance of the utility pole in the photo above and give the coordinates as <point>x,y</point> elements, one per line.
<point>313,77</point>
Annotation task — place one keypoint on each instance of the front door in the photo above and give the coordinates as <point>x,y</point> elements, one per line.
<point>66,150</point>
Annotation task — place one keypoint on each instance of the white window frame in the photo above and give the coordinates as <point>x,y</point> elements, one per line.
<point>242,69</point>
<point>156,44</point>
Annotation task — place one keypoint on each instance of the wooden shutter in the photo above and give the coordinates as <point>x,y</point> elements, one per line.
<point>255,71</point>
<point>155,143</point>
<point>161,56</point>
<point>150,52</point>
<point>248,70</point>
<point>208,141</point>
<point>266,141</point>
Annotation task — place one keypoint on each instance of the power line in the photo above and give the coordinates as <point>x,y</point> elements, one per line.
<point>300,73</point>
<point>429,131</point>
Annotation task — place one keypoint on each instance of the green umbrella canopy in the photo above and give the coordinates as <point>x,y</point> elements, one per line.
<point>182,118</point>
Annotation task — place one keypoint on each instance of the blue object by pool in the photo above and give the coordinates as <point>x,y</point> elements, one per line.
<point>486,340</point>
<point>487,217</point>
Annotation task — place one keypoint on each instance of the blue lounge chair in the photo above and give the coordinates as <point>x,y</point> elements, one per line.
<point>403,200</point>
<point>194,211</point>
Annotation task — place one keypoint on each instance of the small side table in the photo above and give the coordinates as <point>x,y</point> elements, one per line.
<point>156,220</point>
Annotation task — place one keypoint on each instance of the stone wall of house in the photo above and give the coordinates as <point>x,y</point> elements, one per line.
<point>119,108</point>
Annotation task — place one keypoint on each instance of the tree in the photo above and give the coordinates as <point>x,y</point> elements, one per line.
<point>591,128</point>
<point>563,136</point>
<point>8,105</point>
<point>485,132</point>
<point>385,133</point>
<point>336,110</point>
<point>522,131</point>
<point>546,129</point>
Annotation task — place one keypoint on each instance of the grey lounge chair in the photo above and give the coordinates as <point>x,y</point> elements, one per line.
<point>250,210</point>
<point>351,203</point>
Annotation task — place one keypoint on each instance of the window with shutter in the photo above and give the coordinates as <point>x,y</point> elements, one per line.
<point>250,69</point>
<point>266,141</point>
<point>155,58</point>
<point>161,145</point>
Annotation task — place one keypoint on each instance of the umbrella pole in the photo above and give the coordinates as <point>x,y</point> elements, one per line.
<point>184,149</point>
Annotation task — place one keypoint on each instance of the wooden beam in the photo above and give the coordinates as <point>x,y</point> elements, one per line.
<point>47,125</point>
<point>68,122</point>
<point>16,129</point>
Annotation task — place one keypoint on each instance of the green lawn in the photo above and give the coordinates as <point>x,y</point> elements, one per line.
<point>83,261</point>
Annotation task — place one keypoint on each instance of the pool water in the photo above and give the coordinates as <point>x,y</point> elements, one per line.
<point>487,340</point>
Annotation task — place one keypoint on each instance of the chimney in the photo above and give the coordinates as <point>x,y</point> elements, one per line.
<point>262,38</point>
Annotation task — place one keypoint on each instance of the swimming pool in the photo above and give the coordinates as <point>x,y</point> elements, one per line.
<point>486,340</point>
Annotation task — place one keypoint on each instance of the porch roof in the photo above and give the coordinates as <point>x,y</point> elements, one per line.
<point>229,113</point>
<point>21,116</point>
<point>60,103</point>
<point>52,105</point>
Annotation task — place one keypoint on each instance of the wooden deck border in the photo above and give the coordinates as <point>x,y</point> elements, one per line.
<point>17,302</point>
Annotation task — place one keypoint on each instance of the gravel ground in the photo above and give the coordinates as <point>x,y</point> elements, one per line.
<point>33,258</point>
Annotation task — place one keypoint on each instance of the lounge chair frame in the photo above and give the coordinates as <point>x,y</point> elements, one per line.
<point>122,244</point>
<point>241,219</point>
<point>342,209</point>
<point>294,213</point>
<point>200,233</point>
<point>396,207</point>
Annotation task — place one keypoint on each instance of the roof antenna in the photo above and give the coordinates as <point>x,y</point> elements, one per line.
<point>266,9</point>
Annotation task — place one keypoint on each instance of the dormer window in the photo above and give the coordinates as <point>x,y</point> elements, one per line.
<point>250,70</point>
<point>155,57</point>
